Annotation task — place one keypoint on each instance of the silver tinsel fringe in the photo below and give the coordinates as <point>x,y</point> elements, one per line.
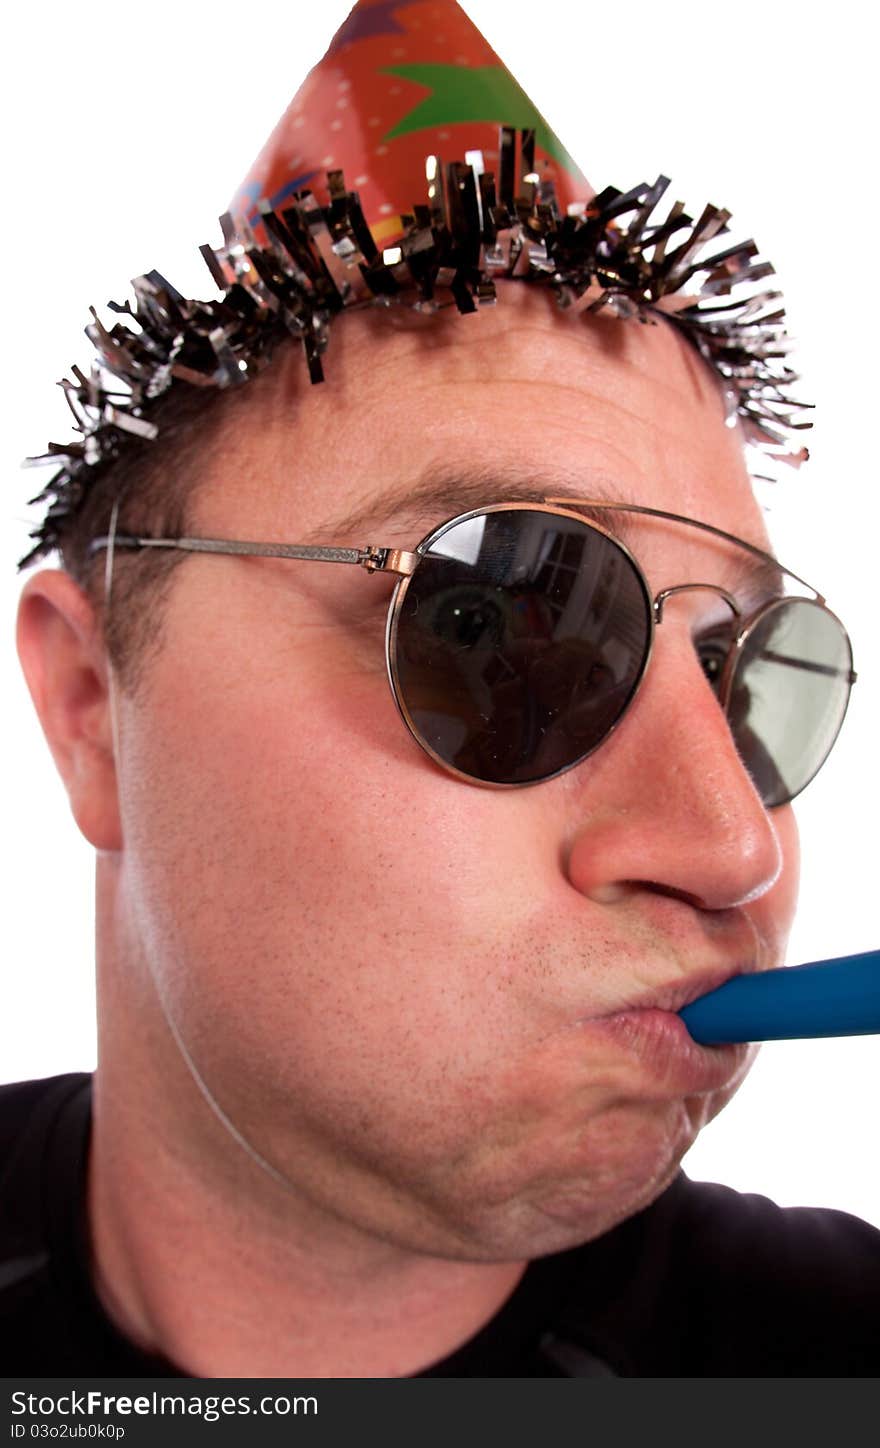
<point>318,260</point>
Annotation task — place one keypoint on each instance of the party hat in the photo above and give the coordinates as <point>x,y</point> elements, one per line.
<point>411,169</point>
<point>403,80</point>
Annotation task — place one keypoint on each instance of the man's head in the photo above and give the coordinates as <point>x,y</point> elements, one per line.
<point>389,980</point>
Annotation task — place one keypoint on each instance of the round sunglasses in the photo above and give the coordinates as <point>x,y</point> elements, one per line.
<point>518,635</point>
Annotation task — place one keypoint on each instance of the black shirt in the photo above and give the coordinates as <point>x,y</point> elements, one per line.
<point>704,1282</point>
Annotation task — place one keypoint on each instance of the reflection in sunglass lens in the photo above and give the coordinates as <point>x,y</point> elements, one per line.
<point>788,694</point>
<point>519,641</point>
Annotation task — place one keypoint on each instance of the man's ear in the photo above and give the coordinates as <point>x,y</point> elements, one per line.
<point>65,664</point>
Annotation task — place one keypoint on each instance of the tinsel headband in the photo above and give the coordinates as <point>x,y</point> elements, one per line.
<point>289,263</point>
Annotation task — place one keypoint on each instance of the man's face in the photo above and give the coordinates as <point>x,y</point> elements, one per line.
<point>390,979</point>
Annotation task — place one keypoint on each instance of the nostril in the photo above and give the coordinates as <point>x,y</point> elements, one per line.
<point>611,892</point>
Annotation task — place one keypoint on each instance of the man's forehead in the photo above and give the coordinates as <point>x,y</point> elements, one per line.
<point>383,453</point>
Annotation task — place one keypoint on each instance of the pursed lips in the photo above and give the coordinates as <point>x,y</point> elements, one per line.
<point>677,994</point>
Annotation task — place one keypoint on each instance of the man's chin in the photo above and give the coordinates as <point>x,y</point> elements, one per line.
<point>573,1218</point>
<point>569,1207</point>
<point>557,1224</point>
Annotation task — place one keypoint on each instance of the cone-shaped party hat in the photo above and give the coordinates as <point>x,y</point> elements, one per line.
<point>410,169</point>
<point>403,80</point>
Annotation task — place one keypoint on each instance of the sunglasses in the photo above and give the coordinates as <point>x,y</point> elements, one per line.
<point>518,636</point>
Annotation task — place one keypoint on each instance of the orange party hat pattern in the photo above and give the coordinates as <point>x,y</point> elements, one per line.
<point>402,80</point>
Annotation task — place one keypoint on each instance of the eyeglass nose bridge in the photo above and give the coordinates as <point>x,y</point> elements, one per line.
<point>661,597</point>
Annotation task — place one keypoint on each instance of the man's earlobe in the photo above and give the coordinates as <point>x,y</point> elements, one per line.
<point>64,660</point>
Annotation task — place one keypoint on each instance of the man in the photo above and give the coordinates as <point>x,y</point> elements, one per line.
<point>374,1038</point>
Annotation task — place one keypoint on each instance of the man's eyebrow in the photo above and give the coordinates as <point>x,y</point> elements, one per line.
<point>752,580</point>
<point>442,493</point>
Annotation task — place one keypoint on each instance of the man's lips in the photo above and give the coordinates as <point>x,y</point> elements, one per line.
<point>654,1035</point>
<point>667,1061</point>
<point>677,994</point>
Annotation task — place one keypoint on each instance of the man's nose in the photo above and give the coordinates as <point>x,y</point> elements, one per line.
<point>683,815</point>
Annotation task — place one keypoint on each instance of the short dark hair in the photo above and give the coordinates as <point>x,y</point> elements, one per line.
<point>154,483</point>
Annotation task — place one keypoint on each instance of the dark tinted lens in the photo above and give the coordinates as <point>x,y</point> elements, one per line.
<point>788,695</point>
<point>519,641</point>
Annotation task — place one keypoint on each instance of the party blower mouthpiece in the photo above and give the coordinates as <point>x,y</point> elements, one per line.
<point>838,997</point>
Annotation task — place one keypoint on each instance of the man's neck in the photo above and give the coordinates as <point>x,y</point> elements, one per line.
<point>221,1291</point>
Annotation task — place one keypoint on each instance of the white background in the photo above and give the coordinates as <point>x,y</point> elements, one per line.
<point>127,129</point>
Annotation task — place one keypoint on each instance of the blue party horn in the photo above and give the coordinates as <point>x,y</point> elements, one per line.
<point>827,998</point>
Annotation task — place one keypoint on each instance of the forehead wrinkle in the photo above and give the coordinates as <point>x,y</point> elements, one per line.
<point>543,346</point>
<point>538,336</point>
<point>602,404</point>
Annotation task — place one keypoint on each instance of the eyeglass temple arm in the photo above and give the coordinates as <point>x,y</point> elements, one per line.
<point>396,560</point>
<point>383,560</point>
<point>761,553</point>
<point>812,666</point>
